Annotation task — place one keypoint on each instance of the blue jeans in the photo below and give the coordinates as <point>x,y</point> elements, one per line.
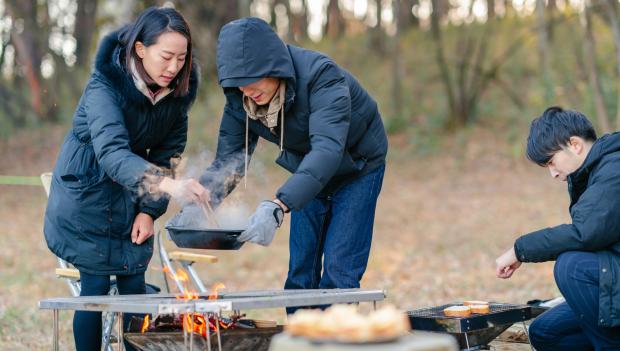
<point>87,325</point>
<point>331,236</point>
<point>573,325</point>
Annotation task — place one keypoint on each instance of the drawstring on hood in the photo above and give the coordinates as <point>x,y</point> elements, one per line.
<point>267,115</point>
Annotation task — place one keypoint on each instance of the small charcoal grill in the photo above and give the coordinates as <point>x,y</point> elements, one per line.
<point>476,331</point>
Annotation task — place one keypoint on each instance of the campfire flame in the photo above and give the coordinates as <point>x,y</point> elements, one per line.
<point>145,324</point>
<point>194,322</point>
<point>214,290</point>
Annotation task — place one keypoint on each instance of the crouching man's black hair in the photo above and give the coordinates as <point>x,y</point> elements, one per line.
<point>551,132</point>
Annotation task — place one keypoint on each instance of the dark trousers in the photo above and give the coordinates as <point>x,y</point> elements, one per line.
<point>87,325</point>
<point>573,325</point>
<point>330,237</point>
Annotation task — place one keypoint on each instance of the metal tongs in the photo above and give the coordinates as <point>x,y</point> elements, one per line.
<point>209,213</point>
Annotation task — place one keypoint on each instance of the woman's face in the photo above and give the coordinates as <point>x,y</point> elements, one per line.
<point>163,60</point>
<point>261,91</point>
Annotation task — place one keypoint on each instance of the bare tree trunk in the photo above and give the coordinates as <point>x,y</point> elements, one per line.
<point>397,69</point>
<point>85,28</point>
<point>28,47</point>
<point>441,60</point>
<point>406,18</point>
<point>552,9</point>
<point>213,15</point>
<point>3,53</point>
<point>299,24</point>
<point>335,26</point>
<point>377,35</point>
<point>490,9</point>
<point>244,7</point>
<point>441,8</point>
<point>612,15</point>
<point>589,46</point>
<point>543,51</point>
<point>289,15</point>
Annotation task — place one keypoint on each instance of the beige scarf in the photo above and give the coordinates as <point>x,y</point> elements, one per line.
<point>141,86</point>
<point>267,115</point>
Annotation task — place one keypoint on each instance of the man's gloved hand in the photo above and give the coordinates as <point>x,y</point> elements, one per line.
<point>263,223</point>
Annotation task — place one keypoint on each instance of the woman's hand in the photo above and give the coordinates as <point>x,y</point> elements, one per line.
<point>184,191</point>
<point>142,228</point>
<point>507,264</point>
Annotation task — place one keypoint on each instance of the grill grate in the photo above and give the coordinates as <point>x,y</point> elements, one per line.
<point>437,311</point>
<point>433,318</point>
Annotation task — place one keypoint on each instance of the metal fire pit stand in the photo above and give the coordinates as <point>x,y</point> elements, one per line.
<point>167,304</point>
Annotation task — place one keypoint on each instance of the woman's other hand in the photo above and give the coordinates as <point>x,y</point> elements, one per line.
<point>142,228</point>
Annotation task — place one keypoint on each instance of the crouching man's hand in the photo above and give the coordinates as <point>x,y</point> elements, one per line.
<point>263,223</point>
<point>507,264</point>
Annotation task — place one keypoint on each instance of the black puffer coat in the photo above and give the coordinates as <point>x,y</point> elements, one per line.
<point>117,137</point>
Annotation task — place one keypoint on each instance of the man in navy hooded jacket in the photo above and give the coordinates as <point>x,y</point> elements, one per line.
<point>331,139</point>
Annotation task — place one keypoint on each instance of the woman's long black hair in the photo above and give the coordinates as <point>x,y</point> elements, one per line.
<point>147,28</point>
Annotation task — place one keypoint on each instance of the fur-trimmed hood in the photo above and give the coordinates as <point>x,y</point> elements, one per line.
<point>108,64</point>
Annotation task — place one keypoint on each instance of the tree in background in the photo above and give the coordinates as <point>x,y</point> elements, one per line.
<point>334,26</point>
<point>543,50</point>
<point>594,76</point>
<point>85,31</point>
<point>47,48</point>
<point>30,47</point>
<point>405,18</point>
<point>611,9</point>
<point>491,9</point>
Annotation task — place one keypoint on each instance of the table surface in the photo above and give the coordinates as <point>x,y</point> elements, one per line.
<point>168,303</point>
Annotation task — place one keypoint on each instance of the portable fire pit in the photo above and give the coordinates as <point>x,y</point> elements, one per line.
<point>164,304</point>
<point>476,331</point>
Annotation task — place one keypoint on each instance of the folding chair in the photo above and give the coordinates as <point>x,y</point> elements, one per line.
<point>170,260</point>
<point>71,276</point>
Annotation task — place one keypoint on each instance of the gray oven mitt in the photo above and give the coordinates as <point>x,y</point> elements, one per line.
<point>263,223</point>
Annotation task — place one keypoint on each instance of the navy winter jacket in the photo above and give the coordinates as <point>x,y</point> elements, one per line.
<point>117,137</point>
<point>333,131</point>
<point>594,191</point>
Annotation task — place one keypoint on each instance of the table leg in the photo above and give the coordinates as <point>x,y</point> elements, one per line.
<point>467,341</point>
<point>527,333</point>
<point>121,337</point>
<point>55,327</point>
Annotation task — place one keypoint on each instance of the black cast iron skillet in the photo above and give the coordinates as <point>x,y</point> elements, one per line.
<point>213,239</point>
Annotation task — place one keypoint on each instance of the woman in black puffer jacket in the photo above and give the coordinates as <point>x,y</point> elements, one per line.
<point>130,123</point>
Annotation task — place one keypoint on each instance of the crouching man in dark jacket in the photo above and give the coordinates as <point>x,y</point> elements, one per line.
<point>331,139</point>
<point>587,251</point>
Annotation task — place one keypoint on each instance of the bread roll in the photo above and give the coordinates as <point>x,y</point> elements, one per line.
<point>457,311</point>
<point>345,324</point>
<point>482,309</point>
<point>303,322</point>
<point>388,323</point>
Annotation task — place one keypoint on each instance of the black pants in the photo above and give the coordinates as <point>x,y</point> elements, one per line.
<point>87,325</point>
